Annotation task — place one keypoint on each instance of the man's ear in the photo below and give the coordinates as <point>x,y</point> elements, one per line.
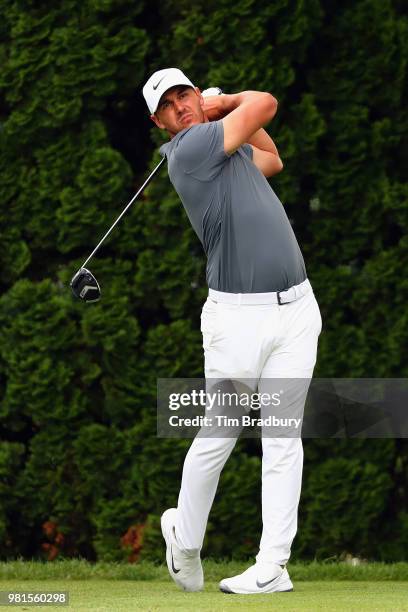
<point>198,92</point>
<point>157,121</point>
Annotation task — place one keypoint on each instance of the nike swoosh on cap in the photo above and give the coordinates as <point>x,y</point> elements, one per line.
<point>175,570</point>
<point>158,83</point>
<point>261,585</point>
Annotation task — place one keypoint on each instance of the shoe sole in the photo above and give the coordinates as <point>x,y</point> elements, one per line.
<point>228,592</point>
<point>283,589</point>
<point>166,523</point>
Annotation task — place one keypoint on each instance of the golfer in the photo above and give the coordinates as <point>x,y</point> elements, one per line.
<point>261,320</point>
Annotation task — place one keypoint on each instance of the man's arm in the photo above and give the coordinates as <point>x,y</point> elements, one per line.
<point>265,154</point>
<point>243,115</point>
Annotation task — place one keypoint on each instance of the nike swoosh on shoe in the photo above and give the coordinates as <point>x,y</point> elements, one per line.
<point>175,570</point>
<point>261,585</point>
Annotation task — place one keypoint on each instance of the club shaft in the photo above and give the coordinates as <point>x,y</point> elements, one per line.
<point>147,181</point>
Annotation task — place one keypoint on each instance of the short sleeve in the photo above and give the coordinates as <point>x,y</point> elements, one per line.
<point>200,150</point>
<point>248,150</point>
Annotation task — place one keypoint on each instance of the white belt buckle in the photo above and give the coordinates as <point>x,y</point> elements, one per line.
<point>289,294</point>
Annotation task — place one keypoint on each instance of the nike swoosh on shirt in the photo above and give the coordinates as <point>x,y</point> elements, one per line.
<point>158,83</point>
<point>175,570</point>
<point>261,585</point>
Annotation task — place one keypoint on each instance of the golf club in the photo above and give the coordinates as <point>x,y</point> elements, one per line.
<point>84,284</point>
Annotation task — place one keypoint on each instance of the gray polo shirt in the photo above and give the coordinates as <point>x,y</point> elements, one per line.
<point>242,225</point>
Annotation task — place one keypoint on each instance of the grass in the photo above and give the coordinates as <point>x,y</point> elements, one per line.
<point>160,595</point>
<point>145,586</point>
<point>79,569</point>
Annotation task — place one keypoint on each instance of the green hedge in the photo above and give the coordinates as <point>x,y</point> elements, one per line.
<point>81,469</point>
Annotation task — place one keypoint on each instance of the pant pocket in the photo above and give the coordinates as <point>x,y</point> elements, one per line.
<point>209,315</point>
<point>318,315</point>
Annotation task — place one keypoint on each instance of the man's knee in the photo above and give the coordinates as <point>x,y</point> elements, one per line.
<point>210,453</point>
<point>282,448</point>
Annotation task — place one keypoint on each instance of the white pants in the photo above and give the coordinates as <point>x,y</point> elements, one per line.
<point>252,342</point>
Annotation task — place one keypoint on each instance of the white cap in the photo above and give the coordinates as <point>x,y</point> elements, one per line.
<point>160,82</point>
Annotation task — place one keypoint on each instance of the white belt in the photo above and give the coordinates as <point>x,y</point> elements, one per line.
<point>273,297</point>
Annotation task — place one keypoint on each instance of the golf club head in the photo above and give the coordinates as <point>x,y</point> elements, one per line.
<point>85,286</point>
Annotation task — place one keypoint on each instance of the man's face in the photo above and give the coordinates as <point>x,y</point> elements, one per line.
<point>180,107</point>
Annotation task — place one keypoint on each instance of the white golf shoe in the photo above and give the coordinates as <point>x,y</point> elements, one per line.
<point>184,565</point>
<point>259,578</point>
